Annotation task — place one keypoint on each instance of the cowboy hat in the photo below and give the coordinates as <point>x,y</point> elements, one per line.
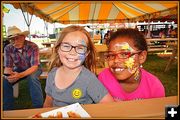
<point>14,31</point>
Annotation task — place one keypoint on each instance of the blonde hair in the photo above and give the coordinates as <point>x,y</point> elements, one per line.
<point>89,62</point>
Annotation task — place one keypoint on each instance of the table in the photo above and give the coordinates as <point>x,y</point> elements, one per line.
<point>45,52</point>
<point>48,44</point>
<point>152,47</point>
<point>148,108</point>
<point>161,39</point>
<point>44,60</point>
<point>96,38</point>
<point>101,49</point>
<point>173,56</point>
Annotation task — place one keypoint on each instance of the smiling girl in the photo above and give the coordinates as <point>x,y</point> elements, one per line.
<point>70,79</point>
<point>125,78</point>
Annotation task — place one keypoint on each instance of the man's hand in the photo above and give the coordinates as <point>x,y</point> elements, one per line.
<point>14,77</point>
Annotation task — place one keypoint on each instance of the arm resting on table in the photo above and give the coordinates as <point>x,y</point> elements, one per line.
<point>48,101</point>
<point>107,98</point>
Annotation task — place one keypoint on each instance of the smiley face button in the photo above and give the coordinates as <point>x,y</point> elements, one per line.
<point>77,93</point>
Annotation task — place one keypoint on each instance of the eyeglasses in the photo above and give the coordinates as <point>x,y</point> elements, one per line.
<point>66,47</point>
<point>120,55</point>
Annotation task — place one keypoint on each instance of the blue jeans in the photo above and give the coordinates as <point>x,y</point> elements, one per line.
<point>34,86</point>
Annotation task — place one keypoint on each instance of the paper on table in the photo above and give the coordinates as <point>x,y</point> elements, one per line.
<point>77,108</point>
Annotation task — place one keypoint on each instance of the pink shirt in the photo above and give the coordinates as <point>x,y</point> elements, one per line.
<point>149,87</point>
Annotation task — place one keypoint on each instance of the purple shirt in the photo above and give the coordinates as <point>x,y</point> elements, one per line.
<point>149,87</point>
<point>21,58</point>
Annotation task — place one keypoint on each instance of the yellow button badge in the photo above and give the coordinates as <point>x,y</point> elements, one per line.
<point>77,93</point>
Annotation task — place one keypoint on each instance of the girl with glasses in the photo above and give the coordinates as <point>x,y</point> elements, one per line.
<point>71,78</point>
<point>125,78</point>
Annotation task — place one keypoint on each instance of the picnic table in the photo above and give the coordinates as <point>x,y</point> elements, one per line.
<point>159,44</point>
<point>173,56</point>
<point>161,39</point>
<point>101,49</point>
<point>96,38</point>
<point>45,52</point>
<point>48,44</point>
<point>147,108</point>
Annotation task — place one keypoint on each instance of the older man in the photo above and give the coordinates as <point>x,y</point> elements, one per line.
<point>21,61</point>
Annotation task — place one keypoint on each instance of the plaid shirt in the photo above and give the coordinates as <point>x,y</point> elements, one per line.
<point>29,56</point>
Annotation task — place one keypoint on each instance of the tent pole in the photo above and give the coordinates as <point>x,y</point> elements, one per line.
<point>46,27</point>
<point>28,25</point>
<point>54,27</point>
<point>149,32</point>
<point>28,22</point>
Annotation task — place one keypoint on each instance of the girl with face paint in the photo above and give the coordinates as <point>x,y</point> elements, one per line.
<point>71,75</point>
<point>125,78</point>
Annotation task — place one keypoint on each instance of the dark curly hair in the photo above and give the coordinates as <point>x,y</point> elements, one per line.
<point>136,36</point>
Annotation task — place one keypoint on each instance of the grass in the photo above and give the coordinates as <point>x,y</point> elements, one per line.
<point>169,79</point>
<point>154,64</point>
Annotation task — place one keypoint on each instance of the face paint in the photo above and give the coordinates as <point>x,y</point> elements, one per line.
<point>80,42</point>
<point>122,47</point>
<point>83,42</point>
<point>129,63</point>
<point>82,57</point>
